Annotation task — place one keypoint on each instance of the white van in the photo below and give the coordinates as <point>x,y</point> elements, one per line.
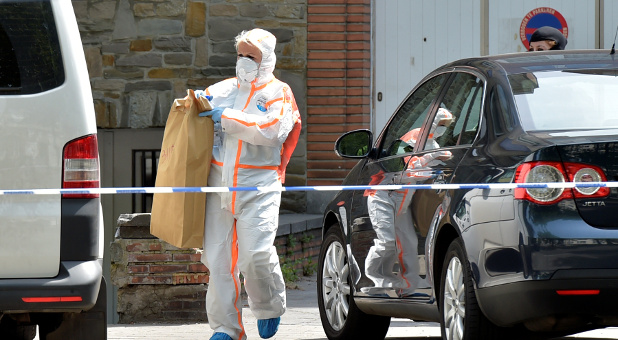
<point>50,245</point>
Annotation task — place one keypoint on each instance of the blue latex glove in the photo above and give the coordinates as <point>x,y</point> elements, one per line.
<point>202,93</point>
<point>215,114</point>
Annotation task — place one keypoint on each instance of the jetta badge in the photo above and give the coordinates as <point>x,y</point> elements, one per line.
<point>594,204</point>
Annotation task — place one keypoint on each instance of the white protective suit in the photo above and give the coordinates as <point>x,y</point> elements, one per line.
<point>253,143</point>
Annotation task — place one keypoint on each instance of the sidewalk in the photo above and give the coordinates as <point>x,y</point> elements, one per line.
<point>298,223</point>
<point>301,321</point>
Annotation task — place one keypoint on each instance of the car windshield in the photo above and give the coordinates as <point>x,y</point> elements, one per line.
<point>567,100</point>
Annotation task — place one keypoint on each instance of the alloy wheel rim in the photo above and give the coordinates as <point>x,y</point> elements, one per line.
<point>335,286</point>
<point>454,306</point>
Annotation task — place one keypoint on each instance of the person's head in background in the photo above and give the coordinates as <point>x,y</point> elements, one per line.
<point>547,38</point>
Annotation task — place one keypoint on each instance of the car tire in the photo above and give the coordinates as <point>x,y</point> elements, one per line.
<point>341,318</point>
<point>461,317</point>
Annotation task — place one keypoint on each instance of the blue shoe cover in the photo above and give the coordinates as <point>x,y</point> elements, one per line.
<point>220,336</point>
<point>268,328</point>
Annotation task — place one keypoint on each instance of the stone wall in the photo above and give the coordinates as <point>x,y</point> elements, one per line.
<point>141,54</point>
<point>158,282</point>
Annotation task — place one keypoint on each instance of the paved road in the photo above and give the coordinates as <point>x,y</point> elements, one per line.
<point>301,321</point>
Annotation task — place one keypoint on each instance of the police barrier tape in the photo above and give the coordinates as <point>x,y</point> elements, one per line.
<point>163,190</point>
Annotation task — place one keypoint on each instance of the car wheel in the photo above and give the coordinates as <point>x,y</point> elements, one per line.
<point>460,315</point>
<point>341,318</point>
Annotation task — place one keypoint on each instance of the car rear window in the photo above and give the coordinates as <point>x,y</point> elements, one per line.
<point>30,58</point>
<point>566,100</point>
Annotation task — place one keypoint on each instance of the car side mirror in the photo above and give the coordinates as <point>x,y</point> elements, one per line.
<point>354,144</point>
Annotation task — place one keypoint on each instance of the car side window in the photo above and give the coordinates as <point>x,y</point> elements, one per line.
<point>401,134</point>
<point>457,120</point>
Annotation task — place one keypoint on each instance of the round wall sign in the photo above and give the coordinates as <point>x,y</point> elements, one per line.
<point>539,17</point>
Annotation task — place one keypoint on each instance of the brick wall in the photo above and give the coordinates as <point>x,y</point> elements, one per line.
<point>158,282</point>
<point>338,82</point>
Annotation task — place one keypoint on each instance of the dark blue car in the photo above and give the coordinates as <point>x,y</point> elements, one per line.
<point>493,261</point>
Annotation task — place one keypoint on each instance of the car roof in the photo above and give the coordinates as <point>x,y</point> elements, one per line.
<point>514,63</point>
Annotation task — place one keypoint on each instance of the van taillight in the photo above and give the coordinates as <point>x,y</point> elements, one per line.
<point>43,299</point>
<point>81,166</point>
<point>555,172</point>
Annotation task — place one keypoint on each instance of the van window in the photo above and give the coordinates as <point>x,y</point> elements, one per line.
<point>30,58</point>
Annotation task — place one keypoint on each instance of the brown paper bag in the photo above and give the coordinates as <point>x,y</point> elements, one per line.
<point>186,152</point>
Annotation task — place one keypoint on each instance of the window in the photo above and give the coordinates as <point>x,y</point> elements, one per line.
<point>566,100</point>
<point>144,175</point>
<point>30,58</point>
<point>404,129</point>
<point>462,101</point>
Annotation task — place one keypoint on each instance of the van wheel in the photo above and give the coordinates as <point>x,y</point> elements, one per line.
<point>10,329</point>
<point>341,318</point>
<point>26,332</point>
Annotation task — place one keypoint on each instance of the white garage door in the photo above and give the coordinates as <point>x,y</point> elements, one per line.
<point>609,10</point>
<point>413,37</point>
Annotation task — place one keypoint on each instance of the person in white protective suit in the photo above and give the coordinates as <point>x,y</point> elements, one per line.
<point>257,125</point>
<point>396,240</point>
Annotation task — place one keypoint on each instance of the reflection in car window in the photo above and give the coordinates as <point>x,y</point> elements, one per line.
<point>500,110</point>
<point>410,116</point>
<point>30,59</point>
<point>463,102</point>
<point>566,100</point>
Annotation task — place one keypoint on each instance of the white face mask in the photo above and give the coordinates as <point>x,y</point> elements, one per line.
<point>246,70</point>
<point>440,130</point>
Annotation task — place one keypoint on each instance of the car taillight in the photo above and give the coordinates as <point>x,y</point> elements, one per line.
<point>578,292</point>
<point>555,172</point>
<point>81,166</point>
